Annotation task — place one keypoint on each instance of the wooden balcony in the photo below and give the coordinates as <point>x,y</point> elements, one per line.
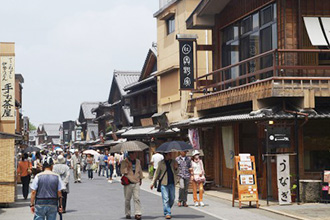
<point>277,73</point>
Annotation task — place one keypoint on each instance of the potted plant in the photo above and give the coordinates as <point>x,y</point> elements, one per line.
<point>293,193</point>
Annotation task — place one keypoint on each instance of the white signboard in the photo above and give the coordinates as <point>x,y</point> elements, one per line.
<point>7,83</point>
<point>283,179</point>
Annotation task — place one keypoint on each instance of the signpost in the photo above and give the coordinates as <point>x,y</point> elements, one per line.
<point>186,49</point>
<point>245,180</point>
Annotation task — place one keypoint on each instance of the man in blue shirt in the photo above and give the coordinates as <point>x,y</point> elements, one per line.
<point>106,165</point>
<point>46,192</point>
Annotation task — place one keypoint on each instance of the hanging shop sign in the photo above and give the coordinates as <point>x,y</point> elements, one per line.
<point>279,137</point>
<point>283,179</point>
<point>245,180</point>
<point>7,83</point>
<point>194,138</point>
<point>186,64</point>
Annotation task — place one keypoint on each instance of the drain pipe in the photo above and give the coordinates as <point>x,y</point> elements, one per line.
<point>296,130</point>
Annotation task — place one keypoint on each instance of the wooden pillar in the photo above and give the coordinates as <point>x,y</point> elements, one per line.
<point>217,155</point>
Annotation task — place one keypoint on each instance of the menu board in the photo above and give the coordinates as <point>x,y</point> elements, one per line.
<point>245,180</point>
<point>245,165</point>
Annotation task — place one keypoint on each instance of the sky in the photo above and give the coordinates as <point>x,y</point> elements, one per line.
<point>68,50</point>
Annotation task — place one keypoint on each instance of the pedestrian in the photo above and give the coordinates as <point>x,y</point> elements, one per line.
<point>105,159</point>
<point>37,166</point>
<point>97,162</point>
<point>118,159</point>
<point>101,163</point>
<point>197,177</point>
<point>90,162</point>
<point>75,165</point>
<point>64,171</point>
<point>184,164</point>
<point>155,159</point>
<point>111,162</point>
<point>24,170</point>
<point>46,196</point>
<point>166,173</point>
<point>131,168</point>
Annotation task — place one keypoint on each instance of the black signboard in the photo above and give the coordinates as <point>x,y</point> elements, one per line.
<point>279,137</point>
<point>186,64</point>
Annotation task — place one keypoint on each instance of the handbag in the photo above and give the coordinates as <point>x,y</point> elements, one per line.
<point>125,181</point>
<point>29,170</point>
<point>160,183</point>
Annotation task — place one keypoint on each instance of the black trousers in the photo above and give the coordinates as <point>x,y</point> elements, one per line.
<point>64,199</point>
<point>25,182</point>
<point>90,173</point>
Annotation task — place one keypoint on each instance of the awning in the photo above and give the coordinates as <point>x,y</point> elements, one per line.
<point>315,27</point>
<point>229,118</point>
<point>130,94</point>
<point>144,131</point>
<point>150,132</point>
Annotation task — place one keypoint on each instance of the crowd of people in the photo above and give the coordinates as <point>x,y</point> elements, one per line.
<point>50,173</point>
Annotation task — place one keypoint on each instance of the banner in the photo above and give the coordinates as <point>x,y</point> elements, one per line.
<point>283,179</point>
<point>7,83</point>
<point>228,146</point>
<point>186,64</point>
<point>194,138</point>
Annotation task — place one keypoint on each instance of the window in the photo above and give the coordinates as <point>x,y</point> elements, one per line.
<point>170,23</point>
<point>253,35</point>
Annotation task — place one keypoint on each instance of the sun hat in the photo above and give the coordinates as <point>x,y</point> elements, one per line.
<point>47,161</point>
<point>76,150</point>
<point>61,159</point>
<point>195,152</point>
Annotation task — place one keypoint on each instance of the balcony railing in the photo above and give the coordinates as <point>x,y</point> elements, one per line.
<point>275,63</point>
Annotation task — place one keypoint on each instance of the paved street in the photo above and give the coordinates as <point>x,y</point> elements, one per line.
<point>97,199</point>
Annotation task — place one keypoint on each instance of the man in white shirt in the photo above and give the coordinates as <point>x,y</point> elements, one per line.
<point>155,159</point>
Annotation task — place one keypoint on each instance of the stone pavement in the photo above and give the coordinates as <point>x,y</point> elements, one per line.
<point>96,199</point>
<point>310,211</point>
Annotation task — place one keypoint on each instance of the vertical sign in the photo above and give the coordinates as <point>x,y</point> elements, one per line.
<point>7,83</point>
<point>283,179</point>
<point>186,64</point>
<point>194,138</point>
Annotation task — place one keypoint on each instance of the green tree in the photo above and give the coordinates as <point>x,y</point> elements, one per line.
<point>32,127</point>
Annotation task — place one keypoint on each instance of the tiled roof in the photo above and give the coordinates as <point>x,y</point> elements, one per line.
<point>124,78</point>
<point>52,129</point>
<point>86,108</point>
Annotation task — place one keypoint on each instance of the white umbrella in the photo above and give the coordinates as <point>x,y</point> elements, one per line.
<point>59,150</point>
<point>92,152</point>
<point>72,150</point>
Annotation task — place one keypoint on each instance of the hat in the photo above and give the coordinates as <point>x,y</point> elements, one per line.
<point>47,161</point>
<point>61,159</point>
<point>76,150</point>
<point>195,152</point>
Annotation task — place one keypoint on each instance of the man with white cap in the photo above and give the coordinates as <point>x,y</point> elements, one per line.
<point>75,165</point>
<point>64,171</point>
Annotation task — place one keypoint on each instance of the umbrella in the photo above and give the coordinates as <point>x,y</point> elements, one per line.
<point>129,146</point>
<point>173,146</point>
<point>92,152</point>
<point>31,149</point>
<point>72,150</point>
<point>59,149</point>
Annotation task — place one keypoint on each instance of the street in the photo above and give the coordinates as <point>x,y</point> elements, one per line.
<point>97,199</point>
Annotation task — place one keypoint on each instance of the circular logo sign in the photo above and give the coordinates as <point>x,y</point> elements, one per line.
<point>271,137</point>
<point>186,49</point>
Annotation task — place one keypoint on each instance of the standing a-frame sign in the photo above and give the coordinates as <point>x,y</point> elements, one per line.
<point>245,180</point>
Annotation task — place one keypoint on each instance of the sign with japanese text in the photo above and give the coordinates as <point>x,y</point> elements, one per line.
<point>194,138</point>
<point>7,83</point>
<point>186,65</point>
<point>283,179</point>
<point>245,180</point>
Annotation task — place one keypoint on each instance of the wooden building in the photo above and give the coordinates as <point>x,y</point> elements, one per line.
<point>268,67</point>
